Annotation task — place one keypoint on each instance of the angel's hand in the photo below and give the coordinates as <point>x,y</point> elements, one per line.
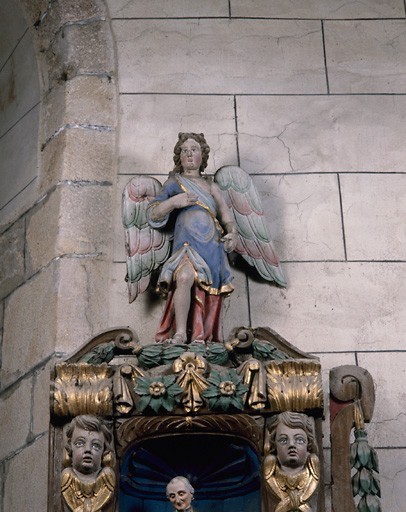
<point>184,199</point>
<point>230,241</point>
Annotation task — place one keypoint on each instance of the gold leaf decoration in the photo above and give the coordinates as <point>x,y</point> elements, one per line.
<point>82,388</point>
<point>190,369</point>
<point>294,385</point>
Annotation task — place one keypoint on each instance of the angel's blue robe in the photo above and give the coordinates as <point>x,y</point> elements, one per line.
<point>197,235</point>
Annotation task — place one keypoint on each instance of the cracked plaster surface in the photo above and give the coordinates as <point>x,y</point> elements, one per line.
<point>318,9</point>
<point>378,65</point>
<point>322,134</point>
<point>335,306</point>
<point>220,56</point>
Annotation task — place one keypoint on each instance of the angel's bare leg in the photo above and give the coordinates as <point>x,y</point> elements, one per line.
<point>185,277</point>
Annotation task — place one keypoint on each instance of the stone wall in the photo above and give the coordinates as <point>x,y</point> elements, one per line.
<point>307,96</point>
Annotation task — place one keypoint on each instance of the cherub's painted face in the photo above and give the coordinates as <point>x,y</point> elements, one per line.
<point>291,446</point>
<point>190,155</point>
<point>87,450</point>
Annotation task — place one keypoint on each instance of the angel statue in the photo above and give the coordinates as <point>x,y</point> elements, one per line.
<point>187,227</point>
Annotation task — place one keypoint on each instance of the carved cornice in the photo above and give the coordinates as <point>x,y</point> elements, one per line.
<point>191,384</point>
<point>140,427</point>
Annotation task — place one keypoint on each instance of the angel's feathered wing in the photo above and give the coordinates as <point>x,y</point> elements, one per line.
<point>254,244</point>
<point>146,248</point>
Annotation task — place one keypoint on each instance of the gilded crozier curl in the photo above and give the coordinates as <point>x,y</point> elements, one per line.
<point>291,470</point>
<point>88,483</point>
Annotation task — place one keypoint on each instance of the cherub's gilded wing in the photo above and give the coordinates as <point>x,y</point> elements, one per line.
<point>146,248</point>
<point>254,244</point>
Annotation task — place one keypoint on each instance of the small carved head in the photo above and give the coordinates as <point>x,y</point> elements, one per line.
<point>292,438</point>
<point>180,493</point>
<point>89,444</point>
<point>205,150</point>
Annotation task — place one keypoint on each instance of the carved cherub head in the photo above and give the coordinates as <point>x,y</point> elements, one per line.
<point>205,150</point>
<point>88,444</point>
<point>180,493</point>
<point>292,438</point>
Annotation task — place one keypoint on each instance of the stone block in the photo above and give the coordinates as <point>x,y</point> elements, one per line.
<point>388,425</point>
<point>19,151</point>
<point>165,9</point>
<point>51,18</point>
<point>220,56</point>
<point>18,205</point>
<point>146,146</point>
<point>318,9</point>
<point>34,9</point>
<point>13,27</point>
<point>374,210</point>
<point>87,101</point>
<point>321,134</point>
<point>378,64</point>
<point>303,215</point>
<point>78,154</point>
<point>142,315</point>
<point>42,233</point>
<point>15,410</point>
<point>12,257</point>
<point>83,301</point>
<point>57,310</point>
<point>1,330</point>
<point>392,475</point>
<point>335,306</point>
<point>81,49</point>
<point>29,467</point>
<point>19,87</point>
<point>75,220</point>
<point>119,253</point>
<point>236,312</point>
<point>30,324</point>
<point>40,404</point>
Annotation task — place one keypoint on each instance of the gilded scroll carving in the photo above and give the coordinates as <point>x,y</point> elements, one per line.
<point>294,385</point>
<point>82,389</point>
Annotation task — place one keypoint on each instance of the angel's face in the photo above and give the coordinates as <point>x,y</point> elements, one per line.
<point>190,155</point>
<point>291,446</point>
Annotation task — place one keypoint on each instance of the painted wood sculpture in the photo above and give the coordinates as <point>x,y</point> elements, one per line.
<point>186,228</point>
<point>180,493</point>
<point>292,469</point>
<point>88,484</point>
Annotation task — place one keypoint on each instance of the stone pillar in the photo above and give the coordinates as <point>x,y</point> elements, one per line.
<point>57,254</point>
